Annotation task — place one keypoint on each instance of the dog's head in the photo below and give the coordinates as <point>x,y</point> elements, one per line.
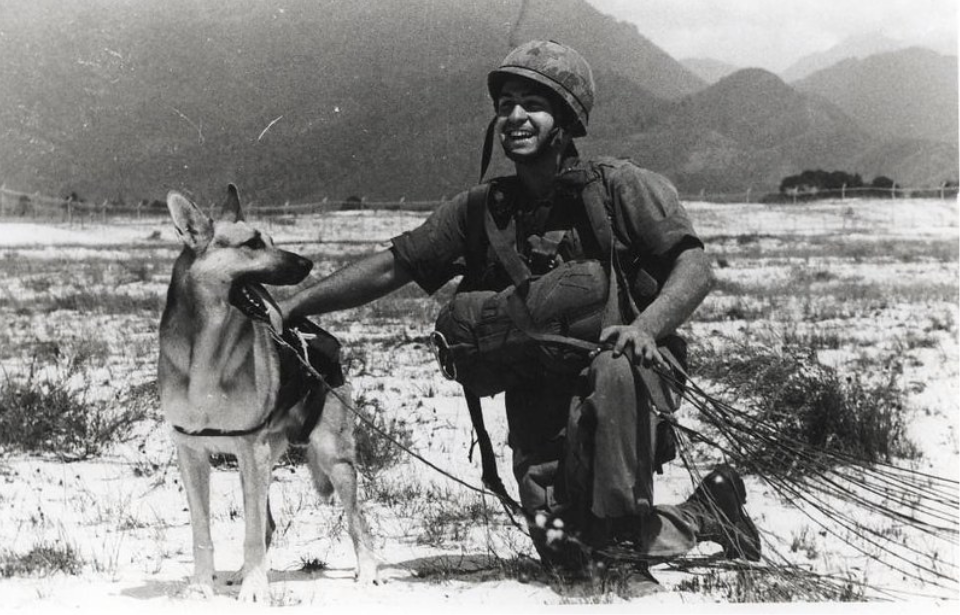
<point>230,249</point>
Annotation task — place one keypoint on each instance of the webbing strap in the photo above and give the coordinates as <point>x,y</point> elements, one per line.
<point>520,316</point>
<point>506,250</point>
<point>598,214</point>
<point>488,460</point>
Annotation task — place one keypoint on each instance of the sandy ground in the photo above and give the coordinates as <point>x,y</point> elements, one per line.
<point>125,513</point>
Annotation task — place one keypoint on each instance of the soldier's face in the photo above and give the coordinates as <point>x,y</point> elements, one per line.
<point>526,119</point>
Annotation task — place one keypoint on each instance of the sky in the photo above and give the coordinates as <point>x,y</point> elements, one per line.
<point>773,34</point>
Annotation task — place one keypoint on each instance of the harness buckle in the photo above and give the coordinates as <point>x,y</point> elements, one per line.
<point>304,339</point>
<point>441,350</point>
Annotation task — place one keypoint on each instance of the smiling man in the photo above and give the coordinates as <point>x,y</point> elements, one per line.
<point>583,427</point>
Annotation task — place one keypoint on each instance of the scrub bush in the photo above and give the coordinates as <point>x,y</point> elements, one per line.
<point>45,411</point>
<point>799,400</point>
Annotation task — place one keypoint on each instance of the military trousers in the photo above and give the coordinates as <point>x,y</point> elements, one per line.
<point>583,451</point>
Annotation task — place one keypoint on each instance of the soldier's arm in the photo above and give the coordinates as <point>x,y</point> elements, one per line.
<point>354,285</point>
<point>654,219</point>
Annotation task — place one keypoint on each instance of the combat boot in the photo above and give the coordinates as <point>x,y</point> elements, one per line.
<point>719,501</point>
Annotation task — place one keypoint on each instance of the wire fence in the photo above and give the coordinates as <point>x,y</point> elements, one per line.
<point>945,190</point>
<point>16,204</point>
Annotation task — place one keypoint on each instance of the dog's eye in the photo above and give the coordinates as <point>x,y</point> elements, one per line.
<point>256,243</point>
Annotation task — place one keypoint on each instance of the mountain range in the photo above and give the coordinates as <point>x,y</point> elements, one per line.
<point>860,46</point>
<point>304,99</point>
<point>910,93</point>
<point>749,130</point>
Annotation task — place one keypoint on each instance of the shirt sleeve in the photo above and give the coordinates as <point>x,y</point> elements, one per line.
<point>433,252</point>
<point>647,211</point>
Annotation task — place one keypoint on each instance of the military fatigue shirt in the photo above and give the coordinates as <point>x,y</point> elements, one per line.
<point>646,214</point>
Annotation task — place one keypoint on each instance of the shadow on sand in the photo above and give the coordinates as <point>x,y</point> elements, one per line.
<point>471,567</point>
<point>226,583</point>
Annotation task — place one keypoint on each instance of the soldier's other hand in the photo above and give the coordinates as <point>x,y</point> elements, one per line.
<point>636,343</point>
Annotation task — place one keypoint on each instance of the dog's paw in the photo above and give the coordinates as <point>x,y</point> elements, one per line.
<point>255,587</point>
<point>368,572</point>
<point>197,590</point>
<point>369,580</point>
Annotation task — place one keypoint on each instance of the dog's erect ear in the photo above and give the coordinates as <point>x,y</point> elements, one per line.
<point>230,208</point>
<point>193,226</point>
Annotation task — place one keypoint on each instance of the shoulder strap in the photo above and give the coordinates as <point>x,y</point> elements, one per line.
<point>480,225</point>
<point>603,219</point>
<point>475,255</point>
<point>503,242</point>
<point>599,215</point>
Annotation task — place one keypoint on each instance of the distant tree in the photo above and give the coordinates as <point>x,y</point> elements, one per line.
<point>883,187</point>
<point>351,202</point>
<point>819,184</point>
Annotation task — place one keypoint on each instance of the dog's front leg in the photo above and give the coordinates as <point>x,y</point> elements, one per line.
<point>255,473</point>
<point>195,473</point>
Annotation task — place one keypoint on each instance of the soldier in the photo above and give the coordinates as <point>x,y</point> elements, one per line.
<point>583,447</point>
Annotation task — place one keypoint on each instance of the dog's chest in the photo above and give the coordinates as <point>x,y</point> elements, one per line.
<point>231,385</point>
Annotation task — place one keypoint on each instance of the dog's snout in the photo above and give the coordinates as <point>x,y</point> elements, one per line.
<point>295,268</point>
<point>304,263</point>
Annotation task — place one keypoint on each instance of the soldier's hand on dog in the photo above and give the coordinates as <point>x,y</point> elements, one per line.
<point>634,342</point>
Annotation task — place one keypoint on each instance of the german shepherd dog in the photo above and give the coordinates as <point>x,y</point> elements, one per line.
<point>223,388</point>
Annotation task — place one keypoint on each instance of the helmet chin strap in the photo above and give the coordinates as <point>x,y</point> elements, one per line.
<point>487,148</point>
<point>556,136</point>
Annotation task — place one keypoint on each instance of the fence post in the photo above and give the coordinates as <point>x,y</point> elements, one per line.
<point>3,200</point>
<point>748,194</point>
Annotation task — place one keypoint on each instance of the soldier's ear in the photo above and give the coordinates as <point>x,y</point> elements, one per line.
<point>193,226</point>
